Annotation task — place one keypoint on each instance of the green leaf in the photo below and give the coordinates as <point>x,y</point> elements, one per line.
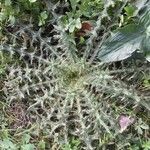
<point>12,19</point>
<point>139,130</point>
<point>82,40</point>
<point>144,126</point>
<point>26,138</point>
<point>122,43</point>
<point>140,3</point>
<point>130,10</point>
<point>2,16</point>
<point>41,145</point>
<point>148,57</point>
<point>74,4</point>
<point>145,16</point>
<point>128,39</point>
<point>146,45</point>
<point>7,2</point>
<point>28,147</point>
<point>44,15</point>
<point>71,28</point>
<point>72,25</point>
<point>78,23</point>
<point>146,145</point>
<point>32,1</point>
<point>7,144</point>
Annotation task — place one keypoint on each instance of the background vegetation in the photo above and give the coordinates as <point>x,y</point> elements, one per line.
<point>74,74</point>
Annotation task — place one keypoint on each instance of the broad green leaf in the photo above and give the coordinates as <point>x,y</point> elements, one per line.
<point>148,31</point>
<point>7,144</point>
<point>130,10</point>
<point>148,57</point>
<point>145,16</point>
<point>78,23</point>
<point>12,19</point>
<point>146,47</point>
<point>32,1</point>
<point>122,43</point>
<point>26,138</point>
<point>140,3</point>
<point>28,147</point>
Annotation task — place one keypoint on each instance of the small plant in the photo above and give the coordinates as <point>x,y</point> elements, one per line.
<point>146,81</point>
<point>25,145</point>
<point>72,145</point>
<point>7,13</point>
<point>55,93</point>
<point>7,142</point>
<point>141,126</point>
<point>146,145</point>
<point>7,60</point>
<point>42,18</point>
